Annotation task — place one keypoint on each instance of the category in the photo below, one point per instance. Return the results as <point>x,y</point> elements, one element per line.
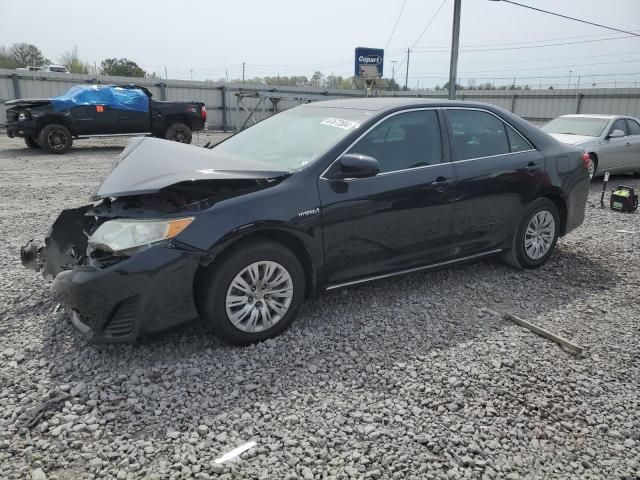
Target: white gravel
<point>402,379</point>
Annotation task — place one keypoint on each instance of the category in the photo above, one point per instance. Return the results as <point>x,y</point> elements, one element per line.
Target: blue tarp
<point>106,95</point>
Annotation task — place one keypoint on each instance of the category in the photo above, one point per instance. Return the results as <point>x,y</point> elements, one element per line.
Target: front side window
<point>406,140</point>
<point>619,125</point>
<point>477,134</point>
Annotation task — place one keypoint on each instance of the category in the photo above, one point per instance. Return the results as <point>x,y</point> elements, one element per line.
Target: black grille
<point>122,320</point>
<point>12,115</point>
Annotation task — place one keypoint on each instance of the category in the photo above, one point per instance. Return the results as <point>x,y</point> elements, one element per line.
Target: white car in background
<point>612,141</point>
<point>54,68</point>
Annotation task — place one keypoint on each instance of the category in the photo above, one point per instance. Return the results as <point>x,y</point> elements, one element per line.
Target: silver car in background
<point>612,141</point>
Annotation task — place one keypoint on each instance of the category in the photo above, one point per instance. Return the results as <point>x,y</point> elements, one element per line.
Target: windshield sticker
<point>339,123</point>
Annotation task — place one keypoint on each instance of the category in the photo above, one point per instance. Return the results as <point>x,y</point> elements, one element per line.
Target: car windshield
<point>590,127</point>
<point>293,139</point>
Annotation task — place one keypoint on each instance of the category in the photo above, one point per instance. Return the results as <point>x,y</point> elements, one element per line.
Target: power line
<point>557,66</point>
<point>568,17</point>
<point>544,60</point>
<point>525,46</point>
<point>423,31</point>
<point>395,25</point>
<point>510,77</point>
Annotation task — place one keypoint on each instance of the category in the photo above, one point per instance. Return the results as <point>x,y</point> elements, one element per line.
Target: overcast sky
<point>298,37</point>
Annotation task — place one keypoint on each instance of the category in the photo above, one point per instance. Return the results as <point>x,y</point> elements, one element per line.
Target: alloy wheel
<point>259,296</point>
<point>180,136</point>
<point>539,234</point>
<point>57,140</point>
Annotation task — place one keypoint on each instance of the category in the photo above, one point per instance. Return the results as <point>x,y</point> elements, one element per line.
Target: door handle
<point>532,167</point>
<point>441,184</point>
<point>628,144</point>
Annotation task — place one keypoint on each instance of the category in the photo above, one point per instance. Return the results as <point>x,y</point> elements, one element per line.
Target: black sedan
<point>319,197</point>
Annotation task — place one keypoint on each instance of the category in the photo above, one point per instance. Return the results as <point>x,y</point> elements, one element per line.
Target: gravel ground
<point>402,379</point>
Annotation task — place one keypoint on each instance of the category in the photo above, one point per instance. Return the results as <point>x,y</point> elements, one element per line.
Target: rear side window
<point>619,125</point>
<point>516,142</point>
<point>406,140</point>
<point>634,127</point>
<point>477,134</point>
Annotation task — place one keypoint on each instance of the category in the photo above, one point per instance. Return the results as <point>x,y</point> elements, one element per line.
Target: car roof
<point>386,103</point>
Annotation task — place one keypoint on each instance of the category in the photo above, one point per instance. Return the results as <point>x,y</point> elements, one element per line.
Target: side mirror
<point>354,165</point>
<point>616,134</point>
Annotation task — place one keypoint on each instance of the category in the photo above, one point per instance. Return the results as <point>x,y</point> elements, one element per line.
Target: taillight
<point>586,159</point>
<point>204,113</point>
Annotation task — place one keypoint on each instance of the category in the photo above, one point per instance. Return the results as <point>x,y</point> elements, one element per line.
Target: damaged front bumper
<point>147,292</point>
<point>27,128</point>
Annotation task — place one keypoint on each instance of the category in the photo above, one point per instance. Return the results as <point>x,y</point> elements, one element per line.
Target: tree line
<point>25,54</point>
<point>21,55</point>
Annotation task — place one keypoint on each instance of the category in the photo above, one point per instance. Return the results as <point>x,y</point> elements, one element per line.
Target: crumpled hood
<point>28,102</point>
<point>148,164</point>
<point>573,139</point>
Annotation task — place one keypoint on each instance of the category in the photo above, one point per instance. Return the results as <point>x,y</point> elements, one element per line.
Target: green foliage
<point>71,60</point>
<point>6,60</point>
<point>121,67</point>
<point>25,54</point>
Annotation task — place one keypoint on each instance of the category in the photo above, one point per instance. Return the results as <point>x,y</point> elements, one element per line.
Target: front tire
<point>536,237</point>
<point>55,139</point>
<point>253,294</point>
<point>178,132</point>
<point>31,142</point>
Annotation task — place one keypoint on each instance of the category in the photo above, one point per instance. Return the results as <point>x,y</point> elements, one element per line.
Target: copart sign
<point>369,57</point>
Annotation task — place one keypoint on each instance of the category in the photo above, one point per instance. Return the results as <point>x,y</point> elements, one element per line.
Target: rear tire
<point>272,289</point>
<point>31,142</point>
<point>178,132</point>
<point>536,236</point>
<point>55,139</point>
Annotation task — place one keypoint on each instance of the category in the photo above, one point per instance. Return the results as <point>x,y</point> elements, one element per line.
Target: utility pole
<point>569,84</point>
<point>393,69</point>
<point>406,78</point>
<point>191,73</point>
<point>455,43</point>
<point>242,72</point>
<point>166,77</point>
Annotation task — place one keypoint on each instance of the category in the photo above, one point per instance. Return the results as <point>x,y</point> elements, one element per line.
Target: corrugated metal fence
<point>228,104</point>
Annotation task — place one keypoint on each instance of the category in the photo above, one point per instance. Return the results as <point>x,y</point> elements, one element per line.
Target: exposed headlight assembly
<point>22,116</point>
<point>125,236</point>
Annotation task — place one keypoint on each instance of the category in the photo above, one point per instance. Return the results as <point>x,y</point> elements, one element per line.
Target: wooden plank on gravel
<point>563,342</point>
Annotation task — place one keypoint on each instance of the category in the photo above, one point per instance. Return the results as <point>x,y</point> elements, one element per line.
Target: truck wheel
<point>178,132</point>
<point>31,142</point>
<point>55,138</point>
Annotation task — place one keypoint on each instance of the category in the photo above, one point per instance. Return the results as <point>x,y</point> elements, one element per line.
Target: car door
<point>93,113</point>
<point>498,173</point>
<point>612,152</point>
<point>633,145</point>
<point>400,218</point>
<point>133,110</point>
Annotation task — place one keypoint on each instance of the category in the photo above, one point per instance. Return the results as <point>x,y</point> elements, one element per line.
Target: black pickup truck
<point>101,110</point>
